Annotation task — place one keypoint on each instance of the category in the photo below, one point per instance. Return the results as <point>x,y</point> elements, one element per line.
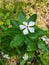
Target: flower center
<point>27,26</point>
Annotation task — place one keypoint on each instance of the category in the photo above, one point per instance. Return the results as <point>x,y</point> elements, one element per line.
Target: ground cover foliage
<point>31,48</point>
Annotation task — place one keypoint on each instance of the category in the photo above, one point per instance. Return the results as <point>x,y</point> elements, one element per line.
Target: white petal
<point>6,56</point>
<point>25,23</point>
<point>31,29</point>
<point>25,31</point>
<point>25,57</point>
<point>48,39</point>
<point>46,42</point>
<point>31,23</point>
<point>43,38</point>
<point>22,27</point>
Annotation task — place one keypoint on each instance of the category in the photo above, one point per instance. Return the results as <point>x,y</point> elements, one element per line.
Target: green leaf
<point>42,46</point>
<point>1,62</point>
<point>43,58</point>
<point>33,18</point>
<point>47,33</point>
<point>30,55</point>
<point>17,41</point>
<point>7,15</point>
<point>15,23</point>
<point>21,17</point>
<point>38,33</point>
<point>31,46</point>
<point>1,15</point>
<point>22,62</point>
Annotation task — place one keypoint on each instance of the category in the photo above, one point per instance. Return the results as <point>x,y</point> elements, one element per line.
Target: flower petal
<point>25,31</point>
<point>31,23</point>
<point>43,38</point>
<point>6,56</point>
<point>48,39</point>
<point>31,29</point>
<point>25,23</point>
<point>25,57</point>
<point>22,27</point>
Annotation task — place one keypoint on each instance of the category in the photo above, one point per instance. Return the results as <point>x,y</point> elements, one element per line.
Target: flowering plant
<point>26,40</point>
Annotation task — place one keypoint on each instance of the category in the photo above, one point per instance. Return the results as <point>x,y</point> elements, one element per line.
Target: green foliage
<point>12,38</point>
<point>21,17</point>
<point>33,18</point>
<point>17,41</point>
<point>23,62</point>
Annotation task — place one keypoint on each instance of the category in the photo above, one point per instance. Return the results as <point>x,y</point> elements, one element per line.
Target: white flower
<point>25,57</point>
<point>6,56</point>
<point>45,39</point>
<point>25,27</point>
